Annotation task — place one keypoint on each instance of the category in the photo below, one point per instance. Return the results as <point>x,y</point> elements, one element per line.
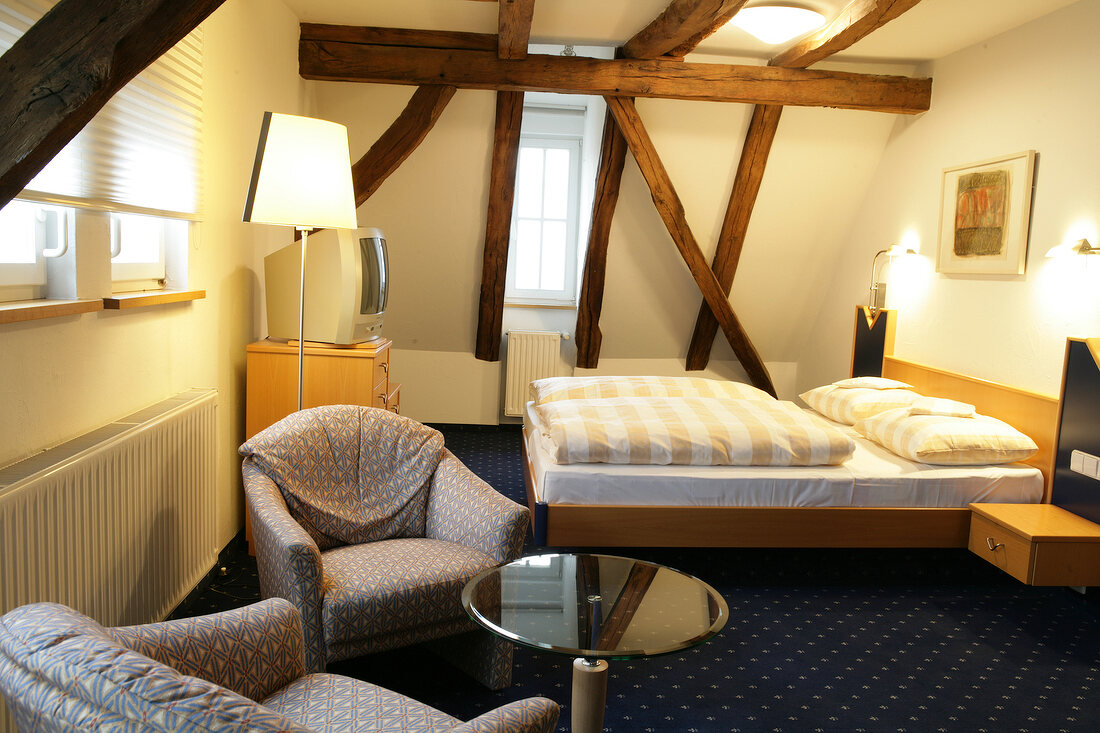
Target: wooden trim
<point>514,28</point>
<point>606,197</point>
<point>123,301</point>
<point>498,224</point>
<point>672,213</point>
<point>62,71</point>
<point>1032,413</point>
<point>681,21</point>
<point>338,61</point>
<point>18,311</point>
<point>854,22</point>
<point>399,140</point>
<point>398,37</point>
<point>573,525</point>
<point>731,240</point>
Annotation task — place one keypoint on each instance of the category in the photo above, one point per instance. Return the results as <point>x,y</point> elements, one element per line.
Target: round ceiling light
<point>777,23</point>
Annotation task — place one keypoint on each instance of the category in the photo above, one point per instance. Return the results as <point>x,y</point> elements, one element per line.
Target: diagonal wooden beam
<point>672,213</point>
<point>514,28</point>
<point>69,64</point>
<point>854,22</point>
<point>498,224</point>
<point>746,186</point>
<point>612,158</point>
<point>680,22</point>
<point>626,606</point>
<point>342,61</point>
<point>399,140</point>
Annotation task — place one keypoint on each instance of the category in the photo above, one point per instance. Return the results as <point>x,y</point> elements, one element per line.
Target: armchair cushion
<point>329,703</point>
<point>381,588</point>
<point>350,474</point>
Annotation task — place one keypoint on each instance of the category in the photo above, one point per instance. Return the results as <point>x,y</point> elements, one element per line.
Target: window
<point>138,160</point>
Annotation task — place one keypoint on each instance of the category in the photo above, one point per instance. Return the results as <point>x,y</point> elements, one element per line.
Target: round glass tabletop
<point>595,606</point>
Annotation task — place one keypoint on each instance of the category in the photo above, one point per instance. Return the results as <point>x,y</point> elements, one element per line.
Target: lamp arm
<point>874,283</point>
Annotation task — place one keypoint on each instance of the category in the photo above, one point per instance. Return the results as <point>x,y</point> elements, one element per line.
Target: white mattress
<point>873,477</point>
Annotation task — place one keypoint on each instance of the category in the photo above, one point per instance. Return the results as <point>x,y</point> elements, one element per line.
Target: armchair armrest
<point>462,508</point>
<point>288,560</point>
<point>532,715</point>
<point>253,651</point>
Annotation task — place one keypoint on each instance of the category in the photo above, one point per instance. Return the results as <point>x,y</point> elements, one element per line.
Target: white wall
<point>1032,88</point>
<point>62,377</point>
<point>433,212</point>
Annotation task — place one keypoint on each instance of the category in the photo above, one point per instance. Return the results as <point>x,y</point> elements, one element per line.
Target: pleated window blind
<point>141,153</point>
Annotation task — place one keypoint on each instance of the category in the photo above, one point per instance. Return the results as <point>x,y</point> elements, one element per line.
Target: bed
<point>875,499</point>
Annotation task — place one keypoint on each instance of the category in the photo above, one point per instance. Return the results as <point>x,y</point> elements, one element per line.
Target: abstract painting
<point>985,216</point>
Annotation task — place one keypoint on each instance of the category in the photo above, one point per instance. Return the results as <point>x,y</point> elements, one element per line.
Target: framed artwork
<point>986,210</point>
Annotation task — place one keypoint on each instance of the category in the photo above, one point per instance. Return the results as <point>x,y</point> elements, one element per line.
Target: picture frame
<point>985,215</point>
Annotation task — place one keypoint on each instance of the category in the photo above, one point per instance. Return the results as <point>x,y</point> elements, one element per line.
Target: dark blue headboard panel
<point>1079,429</point>
<point>874,339</point>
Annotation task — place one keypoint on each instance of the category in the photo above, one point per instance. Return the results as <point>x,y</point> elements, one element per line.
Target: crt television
<point>346,287</point>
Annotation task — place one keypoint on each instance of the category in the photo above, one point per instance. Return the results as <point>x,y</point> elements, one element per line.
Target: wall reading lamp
<point>877,298</point>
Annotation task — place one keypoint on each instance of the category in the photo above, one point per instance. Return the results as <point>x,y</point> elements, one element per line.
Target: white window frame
<point>567,295</point>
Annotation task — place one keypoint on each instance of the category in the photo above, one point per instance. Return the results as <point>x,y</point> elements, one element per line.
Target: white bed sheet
<point>873,477</point>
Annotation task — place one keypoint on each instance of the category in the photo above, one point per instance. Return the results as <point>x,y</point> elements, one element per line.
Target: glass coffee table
<point>594,608</point>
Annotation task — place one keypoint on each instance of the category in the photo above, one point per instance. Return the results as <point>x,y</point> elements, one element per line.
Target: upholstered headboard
<point>1078,428</point>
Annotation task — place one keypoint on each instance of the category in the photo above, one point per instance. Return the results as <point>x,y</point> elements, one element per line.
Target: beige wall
<point>1032,88</point>
<point>62,377</point>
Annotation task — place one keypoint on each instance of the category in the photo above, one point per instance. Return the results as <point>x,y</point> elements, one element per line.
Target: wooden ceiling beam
<point>606,196</point>
<point>514,28</point>
<point>397,37</point>
<point>399,140</point>
<point>681,21</point>
<point>354,62</point>
<point>62,71</point>
<point>854,22</point>
<point>498,224</point>
<point>672,213</point>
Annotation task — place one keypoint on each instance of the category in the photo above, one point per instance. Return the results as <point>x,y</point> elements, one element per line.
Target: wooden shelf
<point>122,301</point>
<point>31,310</point>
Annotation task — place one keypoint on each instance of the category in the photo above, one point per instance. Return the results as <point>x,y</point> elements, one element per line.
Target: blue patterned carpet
<point>818,640</point>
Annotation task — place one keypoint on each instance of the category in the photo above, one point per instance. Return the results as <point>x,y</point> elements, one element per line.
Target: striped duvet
<point>552,389</point>
<point>695,431</point>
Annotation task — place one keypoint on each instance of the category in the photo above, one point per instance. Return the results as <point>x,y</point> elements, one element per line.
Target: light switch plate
<point>1085,464</point>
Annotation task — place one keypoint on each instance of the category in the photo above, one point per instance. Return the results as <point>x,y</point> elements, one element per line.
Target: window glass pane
<point>529,183</point>
<point>553,255</point>
<point>140,239</point>
<point>527,253</point>
<point>556,193</point>
<point>17,233</point>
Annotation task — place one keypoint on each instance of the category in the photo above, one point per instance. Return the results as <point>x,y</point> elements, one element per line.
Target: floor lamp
<point>301,178</point>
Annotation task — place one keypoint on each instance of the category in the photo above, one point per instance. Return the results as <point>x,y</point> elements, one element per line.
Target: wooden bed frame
<point>578,525</point>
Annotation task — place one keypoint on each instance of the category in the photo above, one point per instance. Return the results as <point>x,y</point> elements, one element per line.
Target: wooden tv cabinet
<point>333,375</point>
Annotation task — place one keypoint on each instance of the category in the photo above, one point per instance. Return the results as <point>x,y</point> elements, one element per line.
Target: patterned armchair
<point>371,528</point>
<point>237,670</point>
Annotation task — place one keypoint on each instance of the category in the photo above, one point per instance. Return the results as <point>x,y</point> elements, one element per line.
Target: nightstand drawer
<point>1038,544</point>
<point>1000,547</point>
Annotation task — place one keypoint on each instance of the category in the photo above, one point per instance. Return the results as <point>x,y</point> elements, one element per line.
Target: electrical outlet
<point>1085,464</point>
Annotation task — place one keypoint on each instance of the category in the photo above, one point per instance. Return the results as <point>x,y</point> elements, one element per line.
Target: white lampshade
<point>302,174</point>
<point>777,23</point>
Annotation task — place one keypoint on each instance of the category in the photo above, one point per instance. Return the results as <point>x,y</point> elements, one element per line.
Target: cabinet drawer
<point>381,373</point>
<point>1009,552</point>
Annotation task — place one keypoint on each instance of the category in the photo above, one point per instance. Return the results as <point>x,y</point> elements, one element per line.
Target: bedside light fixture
<point>1080,247</point>
<point>877,299</point>
<point>775,23</point>
<point>301,178</point>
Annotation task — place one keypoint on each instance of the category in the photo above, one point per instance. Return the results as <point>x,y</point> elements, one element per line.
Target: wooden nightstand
<point>1038,544</point>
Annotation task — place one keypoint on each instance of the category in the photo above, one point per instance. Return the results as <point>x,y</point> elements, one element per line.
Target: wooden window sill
<point>31,310</point>
<point>121,301</point>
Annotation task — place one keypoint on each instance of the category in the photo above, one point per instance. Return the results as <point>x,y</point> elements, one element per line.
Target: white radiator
<point>118,523</point>
<point>531,355</point>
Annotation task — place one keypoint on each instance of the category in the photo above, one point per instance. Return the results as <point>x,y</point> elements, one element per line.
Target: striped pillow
<point>946,440</point>
<point>553,389</point>
<point>848,404</point>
